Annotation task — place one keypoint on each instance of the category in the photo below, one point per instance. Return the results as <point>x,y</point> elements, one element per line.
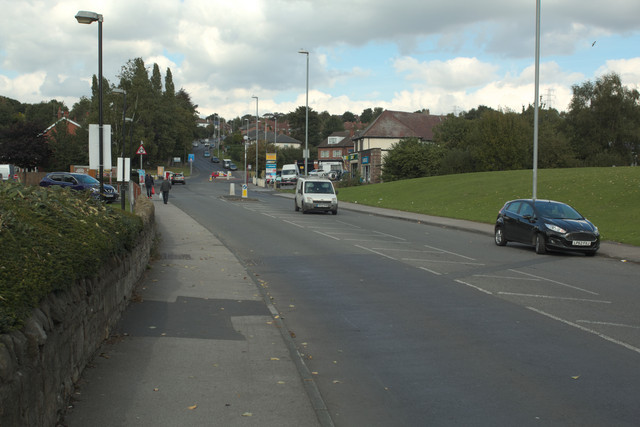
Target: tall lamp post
<point>86,17</point>
<point>306,126</point>
<point>536,103</point>
<point>257,126</point>
<point>124,120</point>
<point>246,140</point>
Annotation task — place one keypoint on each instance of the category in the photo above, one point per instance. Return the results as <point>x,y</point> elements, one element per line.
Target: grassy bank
<point>609,197</point>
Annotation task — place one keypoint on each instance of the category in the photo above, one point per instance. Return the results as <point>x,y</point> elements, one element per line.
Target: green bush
<point>51,237</point>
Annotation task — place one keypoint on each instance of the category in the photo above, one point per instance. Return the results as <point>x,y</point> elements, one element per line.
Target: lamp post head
<point>118,90</point>
<point>304,52</point>
<point>86,17</point>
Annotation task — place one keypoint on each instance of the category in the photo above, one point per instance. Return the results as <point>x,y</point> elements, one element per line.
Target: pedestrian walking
<point>148,183</point>
<point>165,187</point>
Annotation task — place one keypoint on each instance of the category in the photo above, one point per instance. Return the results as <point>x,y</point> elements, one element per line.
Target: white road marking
<point>451,253</point>
<point>620,325</point>
<point>474,287</point>
<point>554,297</point>
<point>326,235</point>
<point>430,271</point>
<point>555,281</point>
<point>441,262</point>
<point>506,277</point>
<point>591,331</point>
<point>375,252</point>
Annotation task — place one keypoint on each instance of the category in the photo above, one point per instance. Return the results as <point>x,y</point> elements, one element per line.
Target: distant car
<point>233,167</point>
<point>214,159</point>
<point>80,182</point>
<point>546,225</point>
<point>207,153</point>
<point>178,178</point>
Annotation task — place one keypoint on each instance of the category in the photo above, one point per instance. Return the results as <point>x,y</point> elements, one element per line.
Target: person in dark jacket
<point>148,183</point>
<point>165,187</point>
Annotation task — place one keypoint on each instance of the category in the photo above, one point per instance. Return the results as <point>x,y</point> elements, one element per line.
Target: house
<point>388,129</point>
<point>283,141</point>
<point>63,116</point>
<point>336,148</point>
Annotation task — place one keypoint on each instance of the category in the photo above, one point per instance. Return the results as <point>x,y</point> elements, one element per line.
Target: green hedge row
<point>51,237</point>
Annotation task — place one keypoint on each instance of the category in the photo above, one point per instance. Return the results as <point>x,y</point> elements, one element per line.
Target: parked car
<point>207,153</point>
<point>178,178</point>
<point>233,167</point>
<point>546,225</point>
<point>80,182</point>
<point>214,159</point>
<point>315,194</point>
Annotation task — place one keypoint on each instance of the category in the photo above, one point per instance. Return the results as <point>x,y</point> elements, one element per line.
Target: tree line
<point>600,128</point>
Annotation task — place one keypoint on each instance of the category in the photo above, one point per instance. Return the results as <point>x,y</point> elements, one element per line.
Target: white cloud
<point>403,55</point>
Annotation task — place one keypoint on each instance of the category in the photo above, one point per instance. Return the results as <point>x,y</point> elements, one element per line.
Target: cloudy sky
<point>406,55</point>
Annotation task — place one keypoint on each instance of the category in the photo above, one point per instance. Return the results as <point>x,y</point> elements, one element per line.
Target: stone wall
<point>40,364</point>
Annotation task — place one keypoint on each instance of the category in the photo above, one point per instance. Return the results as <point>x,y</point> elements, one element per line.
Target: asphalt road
<point>408,324</point>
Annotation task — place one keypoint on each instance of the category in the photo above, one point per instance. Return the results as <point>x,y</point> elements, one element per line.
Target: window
<point>337,153</point>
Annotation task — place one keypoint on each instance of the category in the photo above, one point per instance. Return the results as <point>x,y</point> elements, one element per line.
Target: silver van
<point>316,195</point>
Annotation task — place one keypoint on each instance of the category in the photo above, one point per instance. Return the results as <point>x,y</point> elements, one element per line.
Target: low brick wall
<point>40,364</point>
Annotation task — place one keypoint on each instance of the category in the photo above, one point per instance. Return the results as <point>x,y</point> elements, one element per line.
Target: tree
<point>23,145</point>
<point>348,116</point>
<point>603,122</point>
<point>366,116</point>
<point>411,158</point>
<point>297,121</point>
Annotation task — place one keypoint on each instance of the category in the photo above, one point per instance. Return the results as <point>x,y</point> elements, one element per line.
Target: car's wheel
<point>296,206</point>
<point>499,237</point>
<point>541,245</point>
<point>334,212</point>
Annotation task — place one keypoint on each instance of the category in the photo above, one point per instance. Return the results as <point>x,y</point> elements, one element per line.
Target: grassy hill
<point>609,197</point>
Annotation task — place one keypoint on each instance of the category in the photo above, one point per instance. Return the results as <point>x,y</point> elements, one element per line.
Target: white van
<point>289,174</point>
<point>316,194</point>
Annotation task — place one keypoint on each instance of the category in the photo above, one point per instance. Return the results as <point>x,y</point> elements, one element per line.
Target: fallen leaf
<point>247,414</point>
<point>280,382</point>
<point>193,407</point>
<point>274,358</point>
<point>576,377</point>
<point>156,389</point>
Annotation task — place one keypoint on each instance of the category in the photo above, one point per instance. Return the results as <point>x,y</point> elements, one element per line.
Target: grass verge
<point>609,197</point>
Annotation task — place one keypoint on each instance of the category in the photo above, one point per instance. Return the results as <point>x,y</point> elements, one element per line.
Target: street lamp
<point>124,120</point>
<point>86,17</point>
<point>246,139</point>
<point>256,138</point>
<point>306,126</point>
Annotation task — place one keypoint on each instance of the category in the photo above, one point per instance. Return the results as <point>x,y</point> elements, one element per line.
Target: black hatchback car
<point>546,225</point>
<point>80,182</point>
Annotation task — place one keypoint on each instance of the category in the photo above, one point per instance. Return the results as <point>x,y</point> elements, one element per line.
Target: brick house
<point>63,116</point>
<point>387,129</point>
<point>336,148</point>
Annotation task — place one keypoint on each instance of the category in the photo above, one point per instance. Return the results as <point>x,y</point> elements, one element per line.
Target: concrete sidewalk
<point>200,347</point>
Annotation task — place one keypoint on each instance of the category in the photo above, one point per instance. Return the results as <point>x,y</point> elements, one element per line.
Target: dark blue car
<point>80,182</point>
<point>546,225</point>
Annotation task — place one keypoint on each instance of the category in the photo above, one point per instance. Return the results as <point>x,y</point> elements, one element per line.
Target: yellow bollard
<point>210,178</point>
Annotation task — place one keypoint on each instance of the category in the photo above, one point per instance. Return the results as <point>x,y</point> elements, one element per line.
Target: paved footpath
<point>200,347</point>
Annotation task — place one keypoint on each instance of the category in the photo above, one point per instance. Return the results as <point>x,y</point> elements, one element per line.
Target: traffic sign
<point>141,150</point>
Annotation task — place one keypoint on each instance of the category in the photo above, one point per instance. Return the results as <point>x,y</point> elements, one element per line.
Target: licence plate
<point>322,205</point>
<point>581,243</point>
